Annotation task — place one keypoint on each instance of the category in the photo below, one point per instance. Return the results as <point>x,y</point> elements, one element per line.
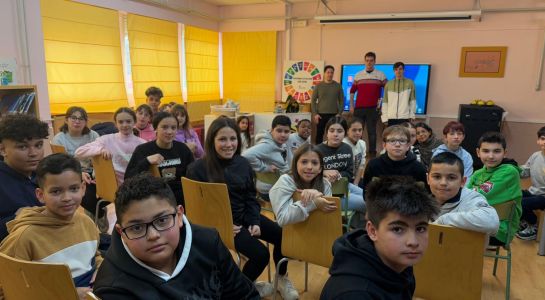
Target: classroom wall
<point>438,44</point>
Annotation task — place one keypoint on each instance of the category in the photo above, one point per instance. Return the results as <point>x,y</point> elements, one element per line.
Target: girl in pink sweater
<point>116,146</point>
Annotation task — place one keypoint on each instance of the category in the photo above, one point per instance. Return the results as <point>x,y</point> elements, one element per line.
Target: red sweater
<point>368,87</point>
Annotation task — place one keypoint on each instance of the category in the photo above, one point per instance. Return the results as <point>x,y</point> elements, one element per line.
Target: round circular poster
<point>299,79</point>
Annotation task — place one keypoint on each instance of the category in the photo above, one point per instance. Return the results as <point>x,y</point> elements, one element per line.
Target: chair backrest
<point>208,204</point>
<point>57,148</point>
<point>311,240</point>
<point>154,170</point>
<point>506,211</point>
<point>340,187</point>
<point>26,280</point>
<point>267,177</point>
<point>106,180</point>
<point>452,267</point>
<point>91,296</point>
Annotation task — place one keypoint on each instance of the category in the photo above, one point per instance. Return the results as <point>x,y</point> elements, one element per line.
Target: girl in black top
<point>222,163</point>
<point>170,156</point>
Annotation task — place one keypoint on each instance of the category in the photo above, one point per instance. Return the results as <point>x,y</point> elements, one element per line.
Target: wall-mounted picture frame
<point>483,61</point>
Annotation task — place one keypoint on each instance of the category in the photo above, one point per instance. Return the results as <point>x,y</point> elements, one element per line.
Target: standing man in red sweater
<point>368,84</point>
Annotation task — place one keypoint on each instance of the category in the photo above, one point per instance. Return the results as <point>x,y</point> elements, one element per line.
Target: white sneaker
<point>265,289</point>
<point>286,289</point>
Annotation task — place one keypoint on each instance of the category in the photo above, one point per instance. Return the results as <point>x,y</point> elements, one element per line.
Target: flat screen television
<point>419,73</point>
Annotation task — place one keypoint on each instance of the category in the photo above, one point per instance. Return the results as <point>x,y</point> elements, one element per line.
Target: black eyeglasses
<point>138,231</point>
<point>397,141</point>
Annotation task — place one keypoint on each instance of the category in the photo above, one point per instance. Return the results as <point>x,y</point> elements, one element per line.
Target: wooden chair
<point>208,204</point>
<point>340,189</point>
<point>106,181</point>
<point>27,280</point>
<point>91,296</point>
<point>268,178</point>
<point>57,148</point>
<point>505,211</point>
<point>154,170</point>
<point>311,240</point>
<point>452,267</point>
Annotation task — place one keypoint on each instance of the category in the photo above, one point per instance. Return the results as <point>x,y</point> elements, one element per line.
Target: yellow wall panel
<point>249,65</point>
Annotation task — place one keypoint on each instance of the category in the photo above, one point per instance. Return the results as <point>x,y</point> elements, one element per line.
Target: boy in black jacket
<point>377,263</point>
<point>396,161</point>
<point>157,254</point>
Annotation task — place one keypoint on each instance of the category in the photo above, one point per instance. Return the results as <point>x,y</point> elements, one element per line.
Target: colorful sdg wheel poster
<point>300,77</point>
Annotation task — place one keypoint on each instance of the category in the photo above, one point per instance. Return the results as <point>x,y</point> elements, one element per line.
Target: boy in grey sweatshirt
<point>271,154</point>
<point>460,206</point>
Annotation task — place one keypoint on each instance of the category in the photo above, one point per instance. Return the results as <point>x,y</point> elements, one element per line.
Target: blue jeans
<point>531,202</point>
<point>355,198</point>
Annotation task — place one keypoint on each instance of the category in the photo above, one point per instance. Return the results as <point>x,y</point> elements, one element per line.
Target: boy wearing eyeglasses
<point>157,254</point>
<point>57,232</point>
<point>395,161</point>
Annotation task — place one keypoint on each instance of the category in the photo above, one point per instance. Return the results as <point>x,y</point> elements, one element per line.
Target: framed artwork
<point>482,61</point>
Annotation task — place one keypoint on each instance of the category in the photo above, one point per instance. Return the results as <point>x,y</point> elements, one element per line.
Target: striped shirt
<point>368,85</point>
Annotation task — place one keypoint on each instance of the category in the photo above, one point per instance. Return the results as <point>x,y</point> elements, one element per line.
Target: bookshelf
<point>19,99</point>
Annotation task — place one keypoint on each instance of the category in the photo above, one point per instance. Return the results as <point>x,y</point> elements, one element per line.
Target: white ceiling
<point>242,2</point>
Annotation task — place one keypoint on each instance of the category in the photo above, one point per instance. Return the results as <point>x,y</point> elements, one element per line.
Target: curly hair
<point>141,187</point>
<point>399,194</point>
<point>21,127</point>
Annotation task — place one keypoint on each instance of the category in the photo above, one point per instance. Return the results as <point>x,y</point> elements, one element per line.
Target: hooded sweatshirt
<point>35,236</point>
<point>426,149</point>
<point>469,210</point>
<point>384,166</point>
<point>16,191</point>
<point>462,154</point>
<point>204,270</point>
<point>500,184</point>
<point>286,210</point>
<point>147,134</point>
<point>265,153</point>
<point>357,272</point>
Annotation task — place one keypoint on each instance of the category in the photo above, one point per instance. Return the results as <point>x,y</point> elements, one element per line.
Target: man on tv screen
<point>399,102</point>
<point>368,84</point>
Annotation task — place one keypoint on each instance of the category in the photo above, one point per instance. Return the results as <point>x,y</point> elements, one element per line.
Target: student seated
<point>534,197</point>
<point>396,141</point>
<point>302,135</point>
<point>153,98</point>
<point>243,123</point>
<point>21,145</point>
<point>307,177</point>
<point>453,135</point>
<point>460,206</point>
<point>223,164</point>
<point>498,180</point>
<point>57,232</point>
<point>339,162</point>
<point>171,157</point>
<point>426,142</point>
<point>376,263</point>
<point>271,153</point>
<point>359,148</point>
<point>157,254</point>
<point>144,115</point>
<point>185,133</point>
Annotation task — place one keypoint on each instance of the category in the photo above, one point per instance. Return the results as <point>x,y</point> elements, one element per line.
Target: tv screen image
<point>419,73</point>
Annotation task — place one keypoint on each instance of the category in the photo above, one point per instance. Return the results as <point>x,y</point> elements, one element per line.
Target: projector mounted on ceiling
<point>440,16</point>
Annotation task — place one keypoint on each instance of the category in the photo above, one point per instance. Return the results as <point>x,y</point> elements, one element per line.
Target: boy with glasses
<point>395,160</point>
<point>157,254</point>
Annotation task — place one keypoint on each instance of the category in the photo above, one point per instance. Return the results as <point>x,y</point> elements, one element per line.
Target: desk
<point>262,121</point>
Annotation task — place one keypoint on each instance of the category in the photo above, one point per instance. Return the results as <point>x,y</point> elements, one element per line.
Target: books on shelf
<point>17,103</point>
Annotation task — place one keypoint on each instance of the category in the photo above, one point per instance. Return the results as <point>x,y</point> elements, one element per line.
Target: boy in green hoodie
<point>498,180</point>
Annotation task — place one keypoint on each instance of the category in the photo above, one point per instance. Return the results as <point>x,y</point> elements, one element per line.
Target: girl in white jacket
<point>306,176</point>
